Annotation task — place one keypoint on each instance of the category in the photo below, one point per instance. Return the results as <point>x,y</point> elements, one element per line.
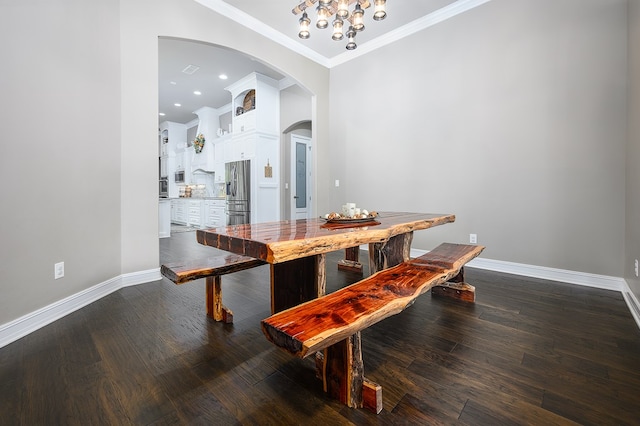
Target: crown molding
<point>412,27</point>
<point>246,20</point>
<point>263,29</point>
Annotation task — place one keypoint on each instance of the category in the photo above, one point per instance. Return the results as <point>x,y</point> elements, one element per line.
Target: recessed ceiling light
<point>162,114</point>
<point>197,92</point>
<point>177,104</point>
<point>223,77</point>
<point>173,82</point>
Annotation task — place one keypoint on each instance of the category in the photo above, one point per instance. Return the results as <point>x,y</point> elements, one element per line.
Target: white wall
<point>60,161</point>
<point>633,151</point>
<point>512,116</point>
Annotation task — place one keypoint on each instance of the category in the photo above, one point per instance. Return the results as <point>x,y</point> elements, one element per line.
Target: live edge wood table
<point>296,249</point>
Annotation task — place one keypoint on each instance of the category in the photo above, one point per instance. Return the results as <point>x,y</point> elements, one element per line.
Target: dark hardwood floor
<point>527,352</point>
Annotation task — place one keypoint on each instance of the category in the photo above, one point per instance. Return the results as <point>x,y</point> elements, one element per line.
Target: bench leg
<point>215,308</point>
<point>456,288</point>
<point>371,396</point>
<point>351,261</point>
<point>341,369</point>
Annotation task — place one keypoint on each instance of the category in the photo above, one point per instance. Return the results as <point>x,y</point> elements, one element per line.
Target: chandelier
<point>340,8</point>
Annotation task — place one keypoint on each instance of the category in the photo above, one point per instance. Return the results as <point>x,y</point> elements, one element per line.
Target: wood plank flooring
<point>528,352</point>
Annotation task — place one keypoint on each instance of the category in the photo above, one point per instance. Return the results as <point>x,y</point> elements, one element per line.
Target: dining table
<point>296,249</point>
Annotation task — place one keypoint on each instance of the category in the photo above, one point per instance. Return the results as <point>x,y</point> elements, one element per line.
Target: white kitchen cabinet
<point>255,107</point>
<point>164,172</point>
<point>255,104</point>
<point>179,213</point>
<point>214,214</point>
<point>243,148</point>
<point>195,210</point>
<point>164,218</point>
<point>172,136</point>
<point>180,161</point>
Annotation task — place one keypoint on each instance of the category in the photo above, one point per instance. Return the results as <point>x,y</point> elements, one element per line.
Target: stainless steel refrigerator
<point>238,179</point>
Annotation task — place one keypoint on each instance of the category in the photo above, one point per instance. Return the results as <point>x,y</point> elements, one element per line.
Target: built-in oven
<point>179,176</point>
<point>164,188</point>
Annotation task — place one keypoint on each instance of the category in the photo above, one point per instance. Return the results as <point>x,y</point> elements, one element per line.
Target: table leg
<point>389,253</point>
<point>297,281</point>
<point>351,261</point>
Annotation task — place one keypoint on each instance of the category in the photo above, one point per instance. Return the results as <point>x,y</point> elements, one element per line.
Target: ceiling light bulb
<point>323,17</point>
<point>337,29</point>
<point>161,114</point>
<point>380,13</point>
<point>177,105</point>
<point>343,9</point>
<point>223,77</point>
<point>304,26</point>
<point>352,39</point>
<point>358,18</point>
<point>197,92</point>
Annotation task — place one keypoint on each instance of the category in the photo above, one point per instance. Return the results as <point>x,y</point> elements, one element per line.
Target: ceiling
<point>175,86</point>
<point>274,19</point>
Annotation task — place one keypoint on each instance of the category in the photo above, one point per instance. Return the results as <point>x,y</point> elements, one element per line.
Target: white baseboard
<point>33,321</point>
<point>29,323</point>
<point>632,303</point>
<point>605,282</point>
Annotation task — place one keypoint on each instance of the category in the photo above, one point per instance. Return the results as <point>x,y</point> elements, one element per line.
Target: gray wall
<point>80,114</point>
<point>60,162</point>
<point>512,116</point>
<point>633,151</point>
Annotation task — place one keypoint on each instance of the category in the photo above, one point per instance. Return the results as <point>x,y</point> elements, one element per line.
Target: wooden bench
<point>212,269</point>
<point>333,323</point>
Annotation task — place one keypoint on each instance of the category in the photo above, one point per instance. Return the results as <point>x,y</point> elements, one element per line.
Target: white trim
<point>263,29</point>
<point>33,321</point>
<point>223,8</point>
<point>632,302</point>
<point>141,277</point>
<point>586,279</point>
<point>412,27</point>
<point>29,323</point>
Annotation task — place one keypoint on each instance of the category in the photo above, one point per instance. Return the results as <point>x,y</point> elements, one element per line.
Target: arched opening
<point>189,75</point>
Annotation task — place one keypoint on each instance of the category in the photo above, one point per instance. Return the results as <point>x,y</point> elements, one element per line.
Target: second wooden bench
<point>212,269</point>
<point>332,323</point>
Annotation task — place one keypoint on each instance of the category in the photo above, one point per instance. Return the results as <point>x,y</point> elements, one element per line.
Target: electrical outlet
<point>58,270</point>
<point>636,267</point>
<point>473,238</point>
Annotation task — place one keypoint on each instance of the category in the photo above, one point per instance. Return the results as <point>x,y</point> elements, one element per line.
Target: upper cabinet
<point>173,136</point>
<point>255,104</point>
<point>255,109</point>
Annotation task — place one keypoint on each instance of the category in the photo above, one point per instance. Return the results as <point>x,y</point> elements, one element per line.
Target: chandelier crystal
<point>340,8</point>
